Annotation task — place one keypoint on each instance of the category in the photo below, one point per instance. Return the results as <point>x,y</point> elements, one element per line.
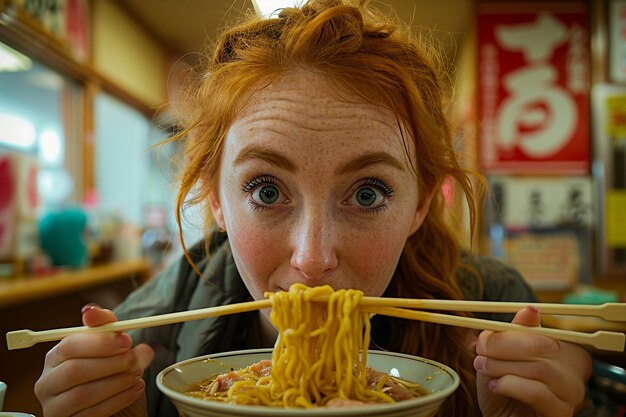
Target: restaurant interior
<point>88,92</point>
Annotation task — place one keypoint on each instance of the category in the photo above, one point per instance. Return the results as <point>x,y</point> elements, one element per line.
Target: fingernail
<point>533,308</point>
<point>139,385</point>
<point>88,307</point>
<point>493,384</point>
<point>124,340</point>
<point>479,362</point>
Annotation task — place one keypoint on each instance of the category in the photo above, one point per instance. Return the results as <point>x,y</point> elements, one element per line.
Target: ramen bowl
<point>438,380</point>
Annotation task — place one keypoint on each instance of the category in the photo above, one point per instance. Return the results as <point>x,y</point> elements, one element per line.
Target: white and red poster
<point>18,205</point>
<point>533,80</point>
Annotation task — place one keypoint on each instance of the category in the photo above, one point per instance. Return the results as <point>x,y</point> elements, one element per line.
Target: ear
<point>421,212</point>
<point>216,209</point>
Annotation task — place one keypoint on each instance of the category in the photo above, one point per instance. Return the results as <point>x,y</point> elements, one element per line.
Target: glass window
<point>134,180</point>
<point>38,121</point>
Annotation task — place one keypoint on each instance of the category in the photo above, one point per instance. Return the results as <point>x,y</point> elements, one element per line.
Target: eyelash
<point>388,191</point>
<point>249,186</point>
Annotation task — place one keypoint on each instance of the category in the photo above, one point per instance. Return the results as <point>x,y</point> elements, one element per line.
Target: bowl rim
<point>254,410</point>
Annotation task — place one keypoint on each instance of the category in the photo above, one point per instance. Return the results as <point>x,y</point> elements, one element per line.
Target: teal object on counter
<point>591,295</point>
<point>62,237</point>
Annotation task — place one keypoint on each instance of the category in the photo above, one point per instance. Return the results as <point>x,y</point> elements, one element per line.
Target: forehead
<point>303,112</point>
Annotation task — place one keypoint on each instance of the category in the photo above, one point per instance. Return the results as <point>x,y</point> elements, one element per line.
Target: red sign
<point>533,66</point>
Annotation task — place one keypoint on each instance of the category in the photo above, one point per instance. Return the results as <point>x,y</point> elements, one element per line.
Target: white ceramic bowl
<point>439,380</point>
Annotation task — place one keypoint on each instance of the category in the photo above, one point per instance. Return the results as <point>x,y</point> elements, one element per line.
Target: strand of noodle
<point>351,350</point>
<point>337,351</point>
<point>319,368</point>
<point>327,348</point>
<point>321,351</point>
<point>307,345</point>
<point>298,368</point>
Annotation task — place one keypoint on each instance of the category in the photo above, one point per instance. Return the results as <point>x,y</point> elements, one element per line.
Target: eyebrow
<point>368,159</point>
<point>275,158</point>
<point>259,152</point>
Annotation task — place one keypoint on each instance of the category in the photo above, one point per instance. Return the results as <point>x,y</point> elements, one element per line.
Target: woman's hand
<point>525,375</point>
<point>94,374</point>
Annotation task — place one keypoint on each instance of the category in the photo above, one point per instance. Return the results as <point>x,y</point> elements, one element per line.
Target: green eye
<point>366,196</point>
<point>267,194</point>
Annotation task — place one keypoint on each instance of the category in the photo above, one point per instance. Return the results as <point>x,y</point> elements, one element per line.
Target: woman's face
<point>315,190</point>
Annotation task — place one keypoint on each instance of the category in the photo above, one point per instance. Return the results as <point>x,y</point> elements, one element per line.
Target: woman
<point>318,144</point>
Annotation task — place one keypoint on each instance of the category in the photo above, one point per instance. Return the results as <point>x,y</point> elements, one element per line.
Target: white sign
<point>542,201</point>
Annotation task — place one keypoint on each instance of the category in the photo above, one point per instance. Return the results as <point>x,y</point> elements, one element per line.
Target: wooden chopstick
<point>19,339</point>
<point>605,340</point>
<point>607,311</point>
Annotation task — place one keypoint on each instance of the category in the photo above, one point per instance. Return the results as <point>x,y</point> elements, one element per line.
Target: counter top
<point>23,289</point>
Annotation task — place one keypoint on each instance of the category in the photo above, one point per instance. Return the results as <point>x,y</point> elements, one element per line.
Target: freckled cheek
<point>256,251</point>
<point>374,262</point>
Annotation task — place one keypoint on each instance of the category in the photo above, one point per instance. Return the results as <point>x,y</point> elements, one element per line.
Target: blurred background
<point>87,89</point>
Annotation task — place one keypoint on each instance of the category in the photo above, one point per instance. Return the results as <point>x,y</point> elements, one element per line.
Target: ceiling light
<point>12,60</point>
<point>16,131</point>
<point>265,8</point>
<point>50,148</point>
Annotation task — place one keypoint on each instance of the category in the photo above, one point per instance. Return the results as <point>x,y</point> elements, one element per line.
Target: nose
<point>314,254</point>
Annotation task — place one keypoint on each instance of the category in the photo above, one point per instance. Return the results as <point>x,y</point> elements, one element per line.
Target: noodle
<point>320,355</point>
